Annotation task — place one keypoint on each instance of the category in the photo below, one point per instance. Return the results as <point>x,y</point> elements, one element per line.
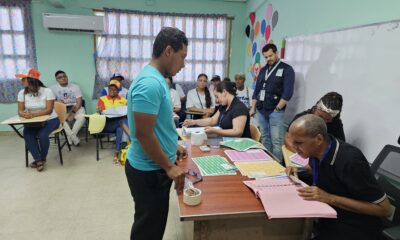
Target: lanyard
<point>315,164</point>
<point>270,72</point>
<point>199,99</point>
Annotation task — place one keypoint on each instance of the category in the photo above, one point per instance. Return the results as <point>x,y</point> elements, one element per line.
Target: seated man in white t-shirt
<point>176,101</point>
<point>71,96</point>
<point>243,93</point>
<point>123,92</point>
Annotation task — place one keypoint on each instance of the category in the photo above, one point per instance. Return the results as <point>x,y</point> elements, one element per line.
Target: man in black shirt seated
<point>232,117</point>
<point>342,179</point>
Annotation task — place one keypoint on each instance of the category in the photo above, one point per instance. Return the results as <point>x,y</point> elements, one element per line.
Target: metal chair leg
<point>97,147</point>
<point>66,140</point>
<point>57,136</point>
<point>26,156</point>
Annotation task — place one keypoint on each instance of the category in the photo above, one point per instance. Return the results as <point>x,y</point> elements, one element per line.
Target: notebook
<point>246,156</point>
<point>281,200</point>
<point>242,144</point>
<point>212,166</point>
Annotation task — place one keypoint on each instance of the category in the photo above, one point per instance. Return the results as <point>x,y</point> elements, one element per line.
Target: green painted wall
<point>310,16</point>
<point>73,52</point>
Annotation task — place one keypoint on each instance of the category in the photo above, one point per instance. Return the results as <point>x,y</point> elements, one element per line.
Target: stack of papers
<point>116,111</point>
<point>298,161</point>
<point>250,155</point>
<point>261,169</point>
<point>187,131</point>
<point>242,144</point>
<point>281,200</point>
<point>213,166</point>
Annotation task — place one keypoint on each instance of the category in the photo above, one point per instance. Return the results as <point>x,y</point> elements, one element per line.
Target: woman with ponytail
<point>200,99</point>
<point>232,116</point>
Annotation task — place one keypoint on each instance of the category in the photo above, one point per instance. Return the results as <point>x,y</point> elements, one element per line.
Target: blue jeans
<point>40,149</point>
<point>114,125</point>
<point>272,131</point>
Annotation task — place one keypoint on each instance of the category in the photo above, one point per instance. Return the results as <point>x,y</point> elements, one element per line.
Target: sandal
<point>40,166</point>
<point>116,159</point>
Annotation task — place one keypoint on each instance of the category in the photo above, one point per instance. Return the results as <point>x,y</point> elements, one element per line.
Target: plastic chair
<point>97,123</point>
<point>391,226</point>
<point>255,133</point>
<point>61,110</point>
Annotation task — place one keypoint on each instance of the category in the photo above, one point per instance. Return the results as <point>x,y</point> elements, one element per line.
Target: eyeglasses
<point>197,175</point>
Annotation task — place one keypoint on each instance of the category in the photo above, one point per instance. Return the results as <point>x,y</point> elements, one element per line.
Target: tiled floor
<point>83,199</point>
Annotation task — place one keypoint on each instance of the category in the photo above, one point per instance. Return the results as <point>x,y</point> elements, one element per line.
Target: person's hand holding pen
<point>291,171</point>
<point>188,123</point>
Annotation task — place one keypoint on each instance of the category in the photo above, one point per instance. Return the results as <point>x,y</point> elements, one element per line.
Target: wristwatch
<point>277,109</point>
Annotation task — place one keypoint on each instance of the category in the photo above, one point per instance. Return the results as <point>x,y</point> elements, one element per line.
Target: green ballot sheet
<point>212,166</point>
<point>242,144</point>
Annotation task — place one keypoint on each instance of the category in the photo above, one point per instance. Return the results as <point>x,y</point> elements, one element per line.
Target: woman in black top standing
<point>232,117</point>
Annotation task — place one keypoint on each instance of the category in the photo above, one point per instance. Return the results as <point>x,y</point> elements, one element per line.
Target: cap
<point>33,73</point>
<point>215,78</point>
<point>115,83</point>
<point>117,75</point>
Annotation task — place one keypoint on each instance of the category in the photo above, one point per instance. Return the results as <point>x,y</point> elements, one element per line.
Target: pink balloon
<point>269,11</point>
<point>262,44</point>
<point>267,32</point>
<point>252,17</point>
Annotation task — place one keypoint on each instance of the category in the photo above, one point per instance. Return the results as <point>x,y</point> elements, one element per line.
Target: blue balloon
<point>263,26</point>
<point>254,49</point>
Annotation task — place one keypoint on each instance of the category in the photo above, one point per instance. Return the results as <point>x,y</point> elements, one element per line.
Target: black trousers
<point>150,192</point>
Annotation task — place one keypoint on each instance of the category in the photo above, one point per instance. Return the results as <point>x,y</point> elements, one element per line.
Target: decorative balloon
<point>252,17</point>
<point>267,32</point>
<point>257,58</point>
<point>262,44</point>
<point>247,31</point>
<point>249,49</point>
<point>263,26</point>
<point>256,29</point>
<point>269,11</point>
<point>254,49</point>
<point>275,19</point>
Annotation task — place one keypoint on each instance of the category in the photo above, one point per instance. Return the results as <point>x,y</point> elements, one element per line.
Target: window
<point>126,44</point>
<point>16,46</point>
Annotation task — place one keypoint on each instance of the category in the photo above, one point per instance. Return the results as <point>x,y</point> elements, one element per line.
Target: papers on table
<point>246,156</point>
<point>213,166</point>
<point>261,169</point>
<point>281,200</point>
<point>186,131</point>
<point>297,160</point>
<point>242,144</point>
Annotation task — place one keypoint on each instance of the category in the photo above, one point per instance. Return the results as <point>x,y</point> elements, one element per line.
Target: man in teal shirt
<point>151,168</point>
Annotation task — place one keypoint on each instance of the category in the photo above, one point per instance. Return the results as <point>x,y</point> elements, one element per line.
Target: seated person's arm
<point>204,122</point>
<point>238,124</point>
<point>78,104</point>
<point>176,110</point>
<point>21,109</point>
<point>100,106</point>
<point>195,109</point>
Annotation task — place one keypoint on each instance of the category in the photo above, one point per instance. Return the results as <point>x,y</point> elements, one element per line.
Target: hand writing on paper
<point>291,171</point>
<point>177,174</point>
<point>181,152</point>
<point>188,123</point>
<point>315,194</point>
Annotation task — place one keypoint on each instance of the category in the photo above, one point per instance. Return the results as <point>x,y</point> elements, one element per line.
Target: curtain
<point>126,44</point>
<point>17,48</point>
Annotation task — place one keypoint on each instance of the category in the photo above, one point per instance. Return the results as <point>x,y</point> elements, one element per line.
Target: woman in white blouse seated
<point>200,99</point>
<point>232,117</point>
<point>33,101</point>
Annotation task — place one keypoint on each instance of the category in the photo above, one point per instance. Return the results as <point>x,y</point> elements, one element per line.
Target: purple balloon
<point>263,26</point>
<point>254,49</point>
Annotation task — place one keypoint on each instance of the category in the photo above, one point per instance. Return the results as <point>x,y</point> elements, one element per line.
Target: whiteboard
<point>362,64</point>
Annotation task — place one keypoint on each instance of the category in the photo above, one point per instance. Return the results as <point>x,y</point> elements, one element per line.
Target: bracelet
<point>277,109</point>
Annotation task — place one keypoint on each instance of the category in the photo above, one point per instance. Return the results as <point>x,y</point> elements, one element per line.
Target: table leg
<point>16,131</point>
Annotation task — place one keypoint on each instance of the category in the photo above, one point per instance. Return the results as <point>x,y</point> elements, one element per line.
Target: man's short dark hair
<point>59,72</point>
<point>169,36</point>
<point>269,46</point>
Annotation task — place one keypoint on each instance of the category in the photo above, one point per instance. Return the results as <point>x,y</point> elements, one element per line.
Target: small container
<point>192,196</point>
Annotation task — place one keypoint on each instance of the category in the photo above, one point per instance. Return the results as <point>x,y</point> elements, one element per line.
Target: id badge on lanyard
<point>262,92</point>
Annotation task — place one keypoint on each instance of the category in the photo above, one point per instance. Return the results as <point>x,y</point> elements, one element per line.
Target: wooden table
<point>230,210</point>
<point>17,120</point>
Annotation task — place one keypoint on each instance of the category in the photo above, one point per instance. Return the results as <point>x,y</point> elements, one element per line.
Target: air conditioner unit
<point>73,23</point>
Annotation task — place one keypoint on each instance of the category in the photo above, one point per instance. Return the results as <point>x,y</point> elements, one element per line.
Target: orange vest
<point>107,102</point>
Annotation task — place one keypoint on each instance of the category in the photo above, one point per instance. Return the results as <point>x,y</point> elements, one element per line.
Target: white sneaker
<point>75,140</point>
